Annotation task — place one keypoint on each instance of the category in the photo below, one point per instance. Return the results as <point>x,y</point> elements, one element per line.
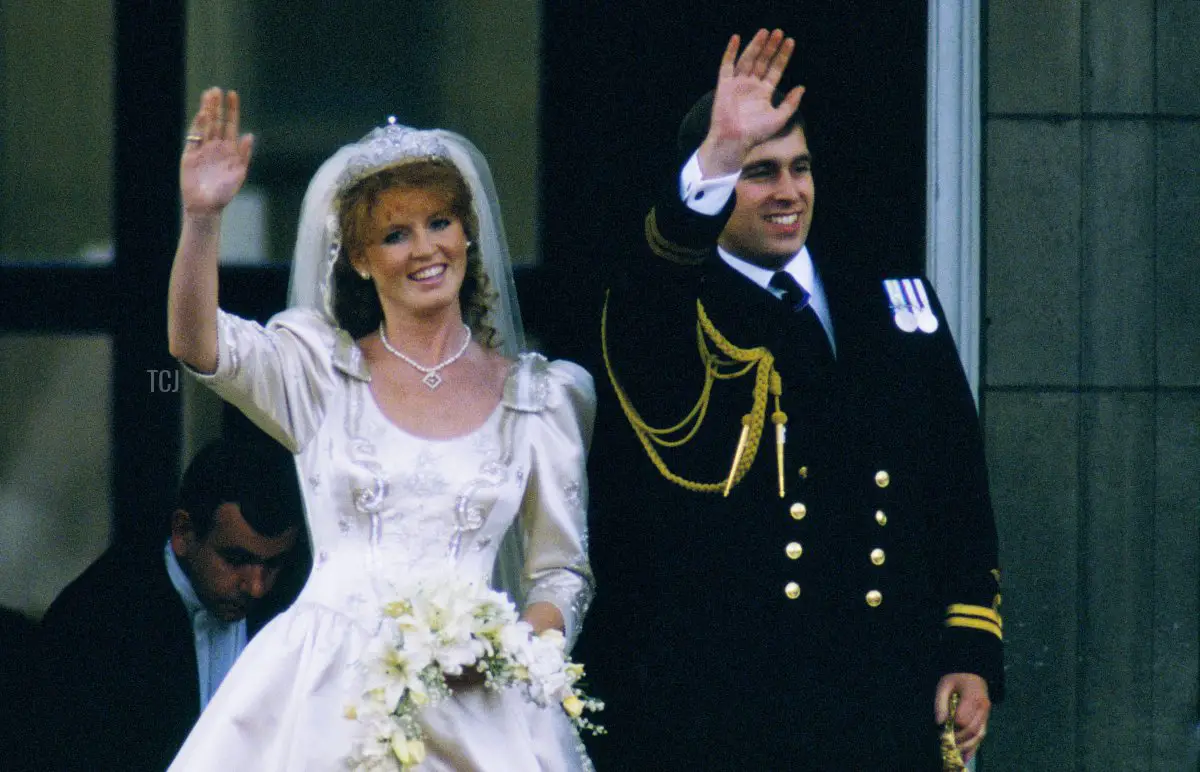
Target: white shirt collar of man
<point>800,267</point>
<point>802,270</point>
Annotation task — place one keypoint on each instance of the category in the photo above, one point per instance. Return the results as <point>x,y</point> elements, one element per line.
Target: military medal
<point>927,321</point>
<point>902,313</point>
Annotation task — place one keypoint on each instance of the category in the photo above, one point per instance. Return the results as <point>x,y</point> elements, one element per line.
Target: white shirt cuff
<point>704,196</point>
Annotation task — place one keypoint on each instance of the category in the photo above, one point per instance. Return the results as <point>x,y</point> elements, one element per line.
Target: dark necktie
<point>812,332</point>
<point>793,294</point>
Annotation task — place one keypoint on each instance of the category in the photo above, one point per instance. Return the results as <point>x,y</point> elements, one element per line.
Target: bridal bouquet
<point>445,626</point>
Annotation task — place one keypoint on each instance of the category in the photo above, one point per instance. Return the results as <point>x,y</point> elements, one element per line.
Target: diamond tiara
<point>389,144</point>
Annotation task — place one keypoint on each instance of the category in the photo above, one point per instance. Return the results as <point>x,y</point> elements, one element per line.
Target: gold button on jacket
<point>878,556</point>
<point>798,511</point>
<point>794,550</point>
<point>882,479</point>
<point>792,590</point>
<point>874,598</point>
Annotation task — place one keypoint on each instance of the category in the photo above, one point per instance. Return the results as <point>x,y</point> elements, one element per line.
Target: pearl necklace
<point>432,377</point>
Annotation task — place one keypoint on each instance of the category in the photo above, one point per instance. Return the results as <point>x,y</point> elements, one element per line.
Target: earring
<point>364,275</point>
<point>470,243</point>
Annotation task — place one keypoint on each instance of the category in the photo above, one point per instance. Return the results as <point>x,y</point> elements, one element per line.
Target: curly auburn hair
<point>356,305</point>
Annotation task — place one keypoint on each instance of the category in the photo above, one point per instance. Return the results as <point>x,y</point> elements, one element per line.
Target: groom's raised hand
<point>742,113</point>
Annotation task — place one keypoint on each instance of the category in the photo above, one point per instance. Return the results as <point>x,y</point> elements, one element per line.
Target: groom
<point>792,526</point>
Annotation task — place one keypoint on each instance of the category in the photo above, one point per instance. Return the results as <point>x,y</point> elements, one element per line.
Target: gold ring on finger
<point>194,137</point>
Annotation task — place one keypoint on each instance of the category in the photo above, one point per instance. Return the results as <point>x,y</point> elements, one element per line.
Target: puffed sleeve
<point>554,511</point>
<point>279,375</point>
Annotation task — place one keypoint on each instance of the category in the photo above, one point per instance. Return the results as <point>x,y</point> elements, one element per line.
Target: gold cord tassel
<point>737,454</point>
<point>952,760</point>
<point>779,418</point>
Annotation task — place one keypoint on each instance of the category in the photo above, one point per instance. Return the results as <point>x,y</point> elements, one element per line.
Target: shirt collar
<point>802,270</point>
<point>800,267</point>
<point>182,584</point>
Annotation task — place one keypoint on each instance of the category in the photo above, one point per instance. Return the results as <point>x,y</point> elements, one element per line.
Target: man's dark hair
<point>257,475</point>
<point>694,126</point>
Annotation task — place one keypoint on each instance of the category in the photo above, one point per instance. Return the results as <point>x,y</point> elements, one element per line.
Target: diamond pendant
<point>432,380</point>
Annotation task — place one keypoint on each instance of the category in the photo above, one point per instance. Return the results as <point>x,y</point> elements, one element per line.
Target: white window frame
<point>953,175</point>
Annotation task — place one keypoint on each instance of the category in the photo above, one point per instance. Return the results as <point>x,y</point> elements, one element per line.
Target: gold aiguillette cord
<point>739,362</point>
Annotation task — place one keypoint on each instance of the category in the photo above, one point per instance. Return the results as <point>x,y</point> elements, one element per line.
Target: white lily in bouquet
<point>441,626</point>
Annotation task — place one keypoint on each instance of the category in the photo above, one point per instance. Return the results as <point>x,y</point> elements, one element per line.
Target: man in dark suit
<point>790,509</point>
<point>133,649</point>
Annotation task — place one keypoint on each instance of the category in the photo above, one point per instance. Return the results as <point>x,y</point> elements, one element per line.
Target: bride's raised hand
<point>215,155</point>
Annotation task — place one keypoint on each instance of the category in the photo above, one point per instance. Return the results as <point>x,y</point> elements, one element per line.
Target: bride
<point>422,439</point>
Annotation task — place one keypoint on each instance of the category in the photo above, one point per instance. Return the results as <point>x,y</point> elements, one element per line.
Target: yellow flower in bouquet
<point>408,752</point>
<point>574,706</point>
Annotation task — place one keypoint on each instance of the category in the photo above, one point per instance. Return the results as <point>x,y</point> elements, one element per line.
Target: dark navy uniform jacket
<point>804,632</point>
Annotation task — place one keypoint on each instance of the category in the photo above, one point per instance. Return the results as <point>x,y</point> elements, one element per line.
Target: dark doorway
<point>618,77</point>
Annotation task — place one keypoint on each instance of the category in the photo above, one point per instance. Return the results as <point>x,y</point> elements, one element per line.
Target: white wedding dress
<point>382,503</point>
